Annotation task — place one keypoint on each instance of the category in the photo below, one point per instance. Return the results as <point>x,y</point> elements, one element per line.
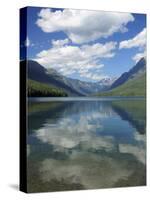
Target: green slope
<point>37,89</point>
<point>133,87</point>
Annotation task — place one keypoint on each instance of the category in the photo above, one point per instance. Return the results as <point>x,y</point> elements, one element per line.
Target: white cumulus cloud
<point>138,41</point>
<point>68,59</point>
<point>82,26</point>
<point>138,56</point>
<point>60,42</point>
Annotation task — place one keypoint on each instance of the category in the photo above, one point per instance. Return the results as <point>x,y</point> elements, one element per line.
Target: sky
<point>83,44</point>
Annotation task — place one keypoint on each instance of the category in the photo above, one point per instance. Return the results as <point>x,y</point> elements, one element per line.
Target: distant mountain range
<point>107,82</point>
<point>131,83</point>
<point>48,82</point>
<point>52,78</point>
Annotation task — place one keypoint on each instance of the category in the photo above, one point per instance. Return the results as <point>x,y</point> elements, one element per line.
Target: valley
<point>49,83</point>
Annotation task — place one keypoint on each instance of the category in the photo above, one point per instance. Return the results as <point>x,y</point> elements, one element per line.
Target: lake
<point>85,143</point>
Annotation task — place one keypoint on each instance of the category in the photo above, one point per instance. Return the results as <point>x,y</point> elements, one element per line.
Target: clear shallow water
<point>85,143</point>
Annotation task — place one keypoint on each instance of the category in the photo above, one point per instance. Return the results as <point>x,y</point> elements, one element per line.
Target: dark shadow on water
<point>14,186</point>
<point>134,113</point>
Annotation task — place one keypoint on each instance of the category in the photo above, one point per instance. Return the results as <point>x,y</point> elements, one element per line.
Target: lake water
<point>85,143</point>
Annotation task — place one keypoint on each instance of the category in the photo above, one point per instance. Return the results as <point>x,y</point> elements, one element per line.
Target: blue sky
<point>87,45</point>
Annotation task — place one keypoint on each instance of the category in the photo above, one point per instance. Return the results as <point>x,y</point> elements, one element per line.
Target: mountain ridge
<point>134,71</point>
<point>38,73</point>
<point>73,87</point>
<point>125,85</point>
<point>131,83</point>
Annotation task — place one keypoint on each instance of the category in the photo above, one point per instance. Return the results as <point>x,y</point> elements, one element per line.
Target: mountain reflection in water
<point>86,144</point>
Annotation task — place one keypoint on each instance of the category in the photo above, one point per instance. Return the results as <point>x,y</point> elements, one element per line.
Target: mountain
<point>82,87</point>
<point>133,87</point>
<point>132,83</point>
<point>107,82</point>
<point>136,71</point>
<point>38,73</point>
<point>51,77</point>
<point>37,89</point>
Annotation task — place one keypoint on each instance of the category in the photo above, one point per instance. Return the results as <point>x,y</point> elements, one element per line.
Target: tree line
<point>37,89</point>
